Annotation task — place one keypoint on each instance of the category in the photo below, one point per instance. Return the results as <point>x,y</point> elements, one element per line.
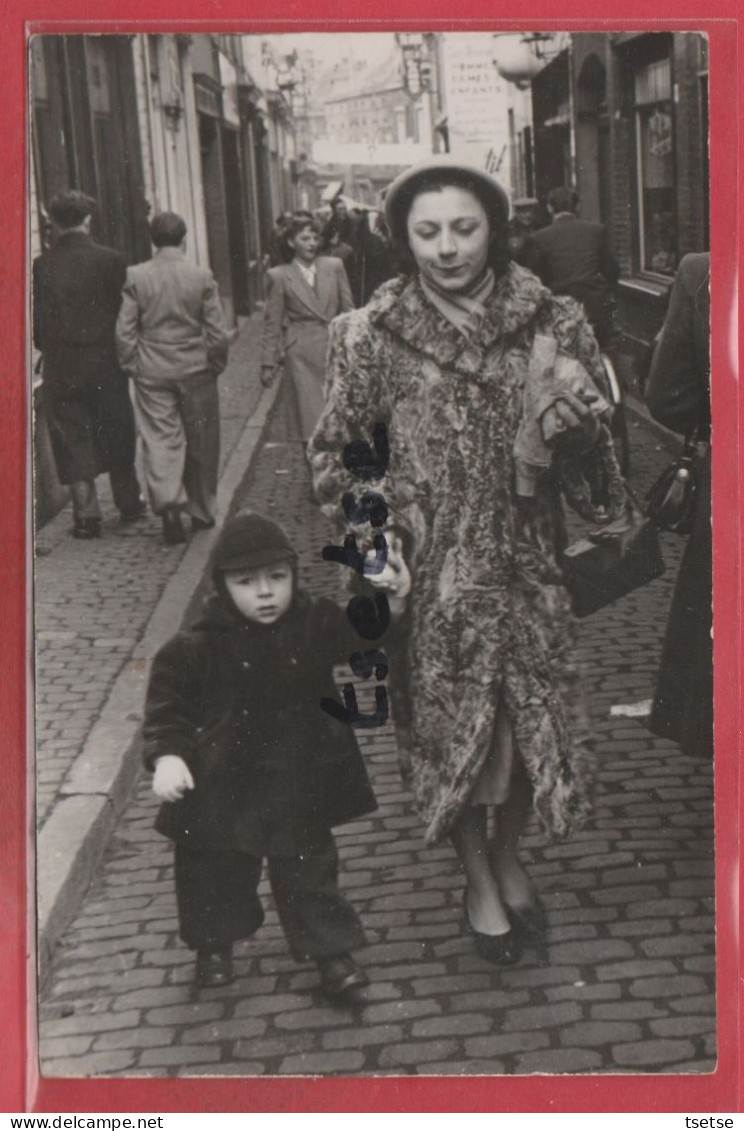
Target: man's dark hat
<point>250,541</point>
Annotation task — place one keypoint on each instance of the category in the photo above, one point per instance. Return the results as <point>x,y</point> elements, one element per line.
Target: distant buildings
<point>196,124</point>
<point>362,124</point>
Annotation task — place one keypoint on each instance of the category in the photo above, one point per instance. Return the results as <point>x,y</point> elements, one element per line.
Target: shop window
<point>654,129</point>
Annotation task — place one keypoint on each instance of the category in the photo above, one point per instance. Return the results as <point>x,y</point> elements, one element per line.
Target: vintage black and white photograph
<point>373,687</point>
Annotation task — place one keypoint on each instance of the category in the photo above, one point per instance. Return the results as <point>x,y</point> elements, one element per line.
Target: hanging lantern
<point>516,60</point>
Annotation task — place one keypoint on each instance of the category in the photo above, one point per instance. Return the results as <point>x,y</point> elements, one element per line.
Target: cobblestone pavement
<point>628,985</point>
<point>92,600</point>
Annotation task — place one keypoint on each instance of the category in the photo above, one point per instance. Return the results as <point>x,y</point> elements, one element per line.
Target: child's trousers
<point>218,901</point>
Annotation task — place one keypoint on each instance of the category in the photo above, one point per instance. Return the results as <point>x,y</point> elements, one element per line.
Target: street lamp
<point>520,56</point>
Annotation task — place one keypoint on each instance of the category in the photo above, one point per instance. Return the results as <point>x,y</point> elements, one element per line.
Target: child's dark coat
<point>240,703</point>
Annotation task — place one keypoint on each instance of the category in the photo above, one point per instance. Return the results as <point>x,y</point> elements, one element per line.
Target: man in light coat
<point>171,340</point>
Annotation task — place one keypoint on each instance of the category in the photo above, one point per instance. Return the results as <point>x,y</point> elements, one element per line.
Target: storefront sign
<point>476,100</point>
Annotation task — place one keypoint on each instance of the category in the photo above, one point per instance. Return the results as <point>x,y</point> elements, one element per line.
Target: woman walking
<point>304,295</point>
<point>486,697</point>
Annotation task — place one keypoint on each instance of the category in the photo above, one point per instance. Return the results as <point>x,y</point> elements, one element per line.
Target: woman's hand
<point>268,375</point>
<point>172,778</point>
<point>569,426</point>
<point>394,579</point>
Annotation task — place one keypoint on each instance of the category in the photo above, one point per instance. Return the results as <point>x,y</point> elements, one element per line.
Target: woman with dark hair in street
<point>304,296</point>
<point>486,696</point>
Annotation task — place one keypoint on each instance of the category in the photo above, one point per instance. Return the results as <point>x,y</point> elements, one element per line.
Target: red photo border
<point>20,1087</point>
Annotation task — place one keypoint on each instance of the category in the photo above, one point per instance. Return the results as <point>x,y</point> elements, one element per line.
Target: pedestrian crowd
<point>444,375</point>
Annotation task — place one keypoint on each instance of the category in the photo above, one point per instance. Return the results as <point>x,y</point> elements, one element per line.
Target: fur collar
<point>402,308</point>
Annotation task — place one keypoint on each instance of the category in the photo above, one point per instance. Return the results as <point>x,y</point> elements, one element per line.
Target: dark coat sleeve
<point>608,265</point>
<point>334,631</point>
<point>532,257</point>
<point>117,274</point>
<point>173,711</point>
<point>677,388</point>
<point>345,300</point>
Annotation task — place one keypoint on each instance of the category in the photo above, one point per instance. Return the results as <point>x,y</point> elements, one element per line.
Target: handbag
<point>671,501</point>
<point>612,561</point>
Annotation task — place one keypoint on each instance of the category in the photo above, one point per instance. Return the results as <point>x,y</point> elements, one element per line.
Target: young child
<point>249,766</point>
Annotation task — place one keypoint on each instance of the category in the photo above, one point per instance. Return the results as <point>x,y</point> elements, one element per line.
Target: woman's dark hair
<point>435,181</point>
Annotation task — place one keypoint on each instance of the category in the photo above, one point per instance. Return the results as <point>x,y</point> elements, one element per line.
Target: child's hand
<point>394,579</point>
<point>172,778</point>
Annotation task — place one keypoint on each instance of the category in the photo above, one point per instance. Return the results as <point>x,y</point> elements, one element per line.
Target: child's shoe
<point>339,975</point>
<point>214,967</point>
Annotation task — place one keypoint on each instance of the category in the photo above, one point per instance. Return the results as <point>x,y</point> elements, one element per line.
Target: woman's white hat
<point>402,189</point>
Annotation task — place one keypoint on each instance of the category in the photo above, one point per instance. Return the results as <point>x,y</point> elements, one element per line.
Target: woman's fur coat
<point>488,617</point>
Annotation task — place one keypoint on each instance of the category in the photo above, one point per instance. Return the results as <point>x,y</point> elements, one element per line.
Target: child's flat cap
<point>249,541</point>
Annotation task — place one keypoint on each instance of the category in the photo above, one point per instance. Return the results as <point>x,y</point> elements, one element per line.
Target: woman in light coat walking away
<point>304,296</point>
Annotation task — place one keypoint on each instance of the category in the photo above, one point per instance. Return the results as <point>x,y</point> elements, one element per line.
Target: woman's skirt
<point>493,782</point>
<point>304,361</point>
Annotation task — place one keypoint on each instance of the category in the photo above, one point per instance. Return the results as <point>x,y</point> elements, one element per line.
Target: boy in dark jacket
<point>248,765</point>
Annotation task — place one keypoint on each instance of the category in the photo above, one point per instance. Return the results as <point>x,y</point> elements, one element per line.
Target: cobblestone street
<point>627,984</point>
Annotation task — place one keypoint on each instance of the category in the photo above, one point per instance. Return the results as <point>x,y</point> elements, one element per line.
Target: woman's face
<point>449,235</point>
<point>305,244</point>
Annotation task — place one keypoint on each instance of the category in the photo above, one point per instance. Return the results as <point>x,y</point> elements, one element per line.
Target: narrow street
<point>628,985</point>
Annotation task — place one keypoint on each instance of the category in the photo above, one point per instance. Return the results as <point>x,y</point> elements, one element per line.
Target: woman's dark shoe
<point>501,950</point>
<point>530,924</point>
<point>340,975</point>
<point>87,528</point>
<point>214,967</point>
<point>173,531</point>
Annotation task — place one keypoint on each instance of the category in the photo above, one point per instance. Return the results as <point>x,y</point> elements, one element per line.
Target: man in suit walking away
<point>573,257</point>
<point>172,342</point>
<point>76,298</point>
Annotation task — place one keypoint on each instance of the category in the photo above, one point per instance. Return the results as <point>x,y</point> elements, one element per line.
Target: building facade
<point>623,117</point>
<point>147,123</point>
